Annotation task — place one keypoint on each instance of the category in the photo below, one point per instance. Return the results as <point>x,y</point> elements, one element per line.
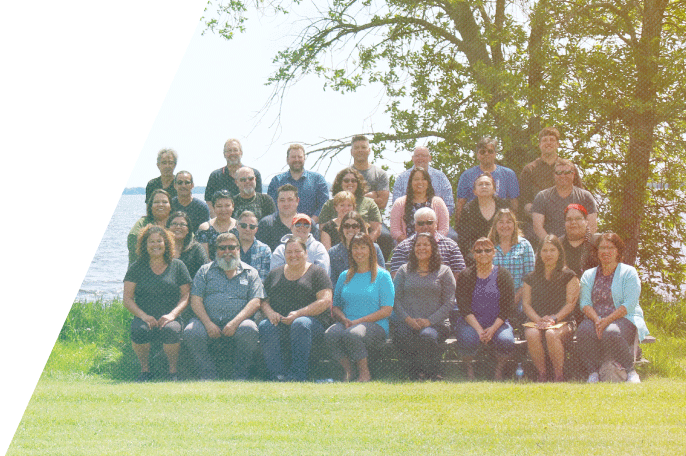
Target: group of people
<point>283,273</point>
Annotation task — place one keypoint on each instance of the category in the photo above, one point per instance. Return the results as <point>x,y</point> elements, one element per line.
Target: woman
<point>351,224</point>
<point>297,308</point>
<point>420,193</point>
<point>343,202</point>
<point>223,222</point>
<point>351,180</point>
<point>609,300</point>
<point>186,249</point>
<point>485,298</point>
<point>513,252</point>
<point>550,295</point>
<point>156,291</point>
<point>424,293</point>
<point>362,303</point>
<point>157,212</point>
<point>477,215</point>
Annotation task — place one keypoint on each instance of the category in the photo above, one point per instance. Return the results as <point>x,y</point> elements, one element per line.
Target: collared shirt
<point>313,190</point>
<point>506,183</point>
<point>519,261</point>
<point>439,181</point>
<point>224,298</point>
<point>220,179</point>
<point>447,249</point>
<point>258,256</point>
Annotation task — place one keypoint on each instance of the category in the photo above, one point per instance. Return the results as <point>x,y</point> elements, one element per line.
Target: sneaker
<point>632,377</point>
<point>593,378</point>
<point>144,377</point>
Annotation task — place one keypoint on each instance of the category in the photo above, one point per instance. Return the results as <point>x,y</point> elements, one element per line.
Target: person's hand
<point>346,321</point>
<point>288,319</point>
<point>151,321</point>
<point>545,322</point>
<point>213,330</point>
<point>164,319</point>
<point>273,317</point>
<point>423,323</point>
<point>487,334</point>
<point>600,326</point>
<point>412,323</point>
<point>230,329</point>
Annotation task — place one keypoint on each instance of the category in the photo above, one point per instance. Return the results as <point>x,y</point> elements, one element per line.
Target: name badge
<point>244,281</point>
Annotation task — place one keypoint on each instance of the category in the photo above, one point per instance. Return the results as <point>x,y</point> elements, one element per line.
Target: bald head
<point>421,157</point>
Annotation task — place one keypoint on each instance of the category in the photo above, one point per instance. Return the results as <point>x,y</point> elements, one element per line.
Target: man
<point>184,201</point>
<point>248,199</point>
<point>225,294</point>
<point>506,184</point>
<point>577,240</point>
<point>312,187</point>
<point>316,252</point>
<point>539,175</point>
<point>273,227</point>
<point>425,222</point>
<point>253,252</point>
<point>548,209</point>
<point>166,163</point>
<point>225,178</point>
<point>422,157</point>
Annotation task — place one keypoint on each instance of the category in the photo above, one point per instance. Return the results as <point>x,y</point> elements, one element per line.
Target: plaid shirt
<point>260,256</point>
<point>519,261</point>
<point>447,249</point>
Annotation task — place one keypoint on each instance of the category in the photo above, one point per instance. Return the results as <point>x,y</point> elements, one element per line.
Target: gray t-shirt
<point>224,298</point>
<point>376,178</point>
<point>429,297</point>
<point>552,207</point>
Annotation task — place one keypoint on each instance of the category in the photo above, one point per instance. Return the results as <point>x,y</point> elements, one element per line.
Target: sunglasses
<point>351,226</point>
<point>247,179</point>
<point>425,223</point>
<point>221,248</point>
<point>179,182</point>
<point>302,225</point>
<point>560,173</point>
<point>247,225</point>
<point>479,251</point>
<point>348,180</point>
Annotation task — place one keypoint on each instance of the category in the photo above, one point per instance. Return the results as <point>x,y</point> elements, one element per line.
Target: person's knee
<point>171,333</point>
<point>301,324</point>
<point>266,327</point>
<point>141,334</point>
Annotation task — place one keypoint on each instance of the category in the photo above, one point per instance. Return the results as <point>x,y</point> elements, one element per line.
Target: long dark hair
<point>362,187</point>
<point>430,193</point>
<point>539,268</point>
<point>364,239</point>
<point>189,236</point>
<point>435,259</point>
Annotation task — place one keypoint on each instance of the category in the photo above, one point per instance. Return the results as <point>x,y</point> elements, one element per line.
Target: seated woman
<point>477,215</point>
<point>351,180</point>
<point>297,308</point>
<point>609,300</point>
<point>186,248</point>
<point>420,193</point>
<point>222,201</point>
<point>343,202</point>
<point>351,224</point>
<point>485,298</point>
<point>424,293</point>
<point>513,252</point>
<point>156,291</point>
<point>157,212</point>
<point>550,295</point>
<point>362,303</point>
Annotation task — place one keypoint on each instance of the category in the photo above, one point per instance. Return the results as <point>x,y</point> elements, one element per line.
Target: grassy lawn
<point>86,415</point>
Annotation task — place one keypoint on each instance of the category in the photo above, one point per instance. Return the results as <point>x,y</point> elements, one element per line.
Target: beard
<point>233,161</point>
<point>228,263</point>
<point>249,191</point>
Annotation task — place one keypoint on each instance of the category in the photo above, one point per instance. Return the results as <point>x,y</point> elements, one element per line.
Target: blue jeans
<point>420,347</point>
<point>302,332</point>
<point>468,342</point>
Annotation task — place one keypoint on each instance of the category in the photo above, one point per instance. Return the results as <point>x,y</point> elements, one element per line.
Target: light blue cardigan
<point>626,288</point>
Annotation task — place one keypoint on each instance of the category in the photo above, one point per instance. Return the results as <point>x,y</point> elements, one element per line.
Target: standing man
<point>225,294</point>
<point>253,252</point>
<point>506,184</point>
<point>184,201</point>
<point>311,186</point>
<point>422,157</point>
<point>166,163</point>
<point>248,199</point>
<point>225,178</point>
<point>548,209</point>
<point>273,227</point>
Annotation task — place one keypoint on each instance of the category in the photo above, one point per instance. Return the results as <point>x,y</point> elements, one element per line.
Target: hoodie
<point>316,253</point>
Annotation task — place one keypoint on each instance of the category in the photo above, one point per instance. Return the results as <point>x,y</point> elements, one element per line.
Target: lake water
<point>105,277</point>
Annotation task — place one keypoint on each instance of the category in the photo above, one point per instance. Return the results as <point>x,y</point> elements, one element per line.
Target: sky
<point>90,92</point>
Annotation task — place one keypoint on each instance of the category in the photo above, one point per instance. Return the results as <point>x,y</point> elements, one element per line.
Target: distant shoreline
<point>141,191</point>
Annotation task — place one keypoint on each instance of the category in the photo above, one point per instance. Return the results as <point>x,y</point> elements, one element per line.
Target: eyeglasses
<point>486,151</point>
<point>246,179</point>
<point>480,251</point>
<point>246,225</point>
<point>230,248</point>
<point>302,225</point>
<point>351,226</point>
<point>348,180</point>
<point>560,173</point>
<point>424,223</point>
<point>167,162</point>
<point>178,225</point>
<point>178,182</point>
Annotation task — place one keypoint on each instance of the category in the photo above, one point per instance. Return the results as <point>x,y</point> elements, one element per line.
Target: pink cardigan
<point>398,226</point>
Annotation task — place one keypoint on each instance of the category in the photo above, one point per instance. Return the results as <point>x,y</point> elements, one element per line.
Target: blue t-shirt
<point>506,183</point>
<point>359,297</point>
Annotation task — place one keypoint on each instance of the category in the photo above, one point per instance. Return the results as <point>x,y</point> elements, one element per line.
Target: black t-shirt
<point>157,295</point>
<point>197,211</point>
<point>548,297</point>
<point>286,295</point>
<point>220,179</point>
<point>194,257</point>
<point>261,205</point>
<point>156,184</point>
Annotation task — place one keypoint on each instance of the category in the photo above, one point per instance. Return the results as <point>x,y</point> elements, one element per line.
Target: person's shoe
<point>593,378</point>
<point>173,377</point>
<point>144,377</point>
<point>632,377</point>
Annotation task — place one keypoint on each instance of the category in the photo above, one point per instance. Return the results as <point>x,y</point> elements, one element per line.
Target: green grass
<point>94,417</point>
